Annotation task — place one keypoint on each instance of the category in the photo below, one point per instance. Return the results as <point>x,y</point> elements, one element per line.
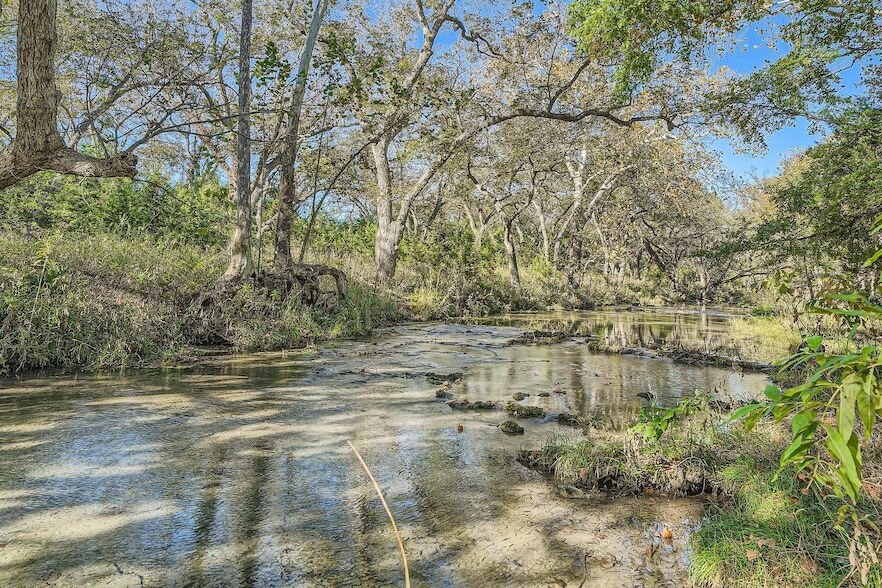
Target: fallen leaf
<point>460,428</point>
<point>751,554</point>
<point>601,536</point>
<point>765,542</point>
<point>809,566</point>
<point>666,533</point>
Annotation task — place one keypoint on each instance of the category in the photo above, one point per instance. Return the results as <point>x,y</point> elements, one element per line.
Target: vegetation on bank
<point>80,301</point>
<point>763,527</point>
<point>800,472</point>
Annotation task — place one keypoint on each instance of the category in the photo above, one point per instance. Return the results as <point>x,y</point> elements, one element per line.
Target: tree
<point>824,38</point>
<point>240,244</point>
<point>288,157</point>
<point>38,145</point>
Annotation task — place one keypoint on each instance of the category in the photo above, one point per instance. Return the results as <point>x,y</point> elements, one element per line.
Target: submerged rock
<point>444,393</point>
<point>524,412</point>
<point>465,404</point>
<point>544,394</point>
<point>519,396</point>
<point>568,419</point>
<point>542,337</point>
<point>511,428</point>
<point>438,379</point>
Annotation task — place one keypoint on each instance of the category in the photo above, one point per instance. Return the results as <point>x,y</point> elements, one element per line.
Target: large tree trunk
<point>389,229</point>
<point>386,243</point>
<point>240,244</point>
<point>511,255</point>
<point>37,145</point>
<point>288,182</point>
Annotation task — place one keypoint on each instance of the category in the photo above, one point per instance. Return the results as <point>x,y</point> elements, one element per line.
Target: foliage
<point>826,199</point>
<point>99,302</point>
<point>839,403</point>
<point>824,38</point>
<point>194,213</point>
<point>764,529</point>
<point>652,422</point>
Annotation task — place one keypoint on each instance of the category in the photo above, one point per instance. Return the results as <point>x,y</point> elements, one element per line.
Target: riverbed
<point>237,471</point>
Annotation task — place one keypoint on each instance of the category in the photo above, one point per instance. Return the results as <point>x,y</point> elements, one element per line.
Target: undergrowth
<point>762,528</point>
<point>104,301</point>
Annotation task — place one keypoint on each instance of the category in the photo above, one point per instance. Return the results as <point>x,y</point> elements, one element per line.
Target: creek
<point>236,471</point>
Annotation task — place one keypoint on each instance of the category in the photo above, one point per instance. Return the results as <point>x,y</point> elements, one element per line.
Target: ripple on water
<point>237,472</point>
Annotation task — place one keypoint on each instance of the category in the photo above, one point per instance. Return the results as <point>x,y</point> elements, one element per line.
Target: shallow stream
<point>237,472</point>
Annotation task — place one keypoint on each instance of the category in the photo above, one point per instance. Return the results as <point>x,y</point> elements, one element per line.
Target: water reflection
<point>662,327</point>
<point>237,473</point>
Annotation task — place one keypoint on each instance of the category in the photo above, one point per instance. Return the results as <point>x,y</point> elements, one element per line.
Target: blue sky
<point>750,54</point>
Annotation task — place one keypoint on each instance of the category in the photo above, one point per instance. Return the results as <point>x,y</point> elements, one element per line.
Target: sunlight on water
<point>236,472</point>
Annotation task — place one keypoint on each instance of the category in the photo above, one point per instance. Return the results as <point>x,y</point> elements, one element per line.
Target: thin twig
<point>388,512</point>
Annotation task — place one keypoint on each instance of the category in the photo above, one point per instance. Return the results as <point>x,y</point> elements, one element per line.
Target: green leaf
<point>773,392</point>
<point>801,442</point>
<point>801,421</point>
<point>814,343</point>
<point>851,387</point>
<point>750,421</point>
<point>849,470</point>
<point>743,411</point>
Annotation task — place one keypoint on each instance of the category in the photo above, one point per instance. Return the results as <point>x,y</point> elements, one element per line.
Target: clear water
<point>237,472</point>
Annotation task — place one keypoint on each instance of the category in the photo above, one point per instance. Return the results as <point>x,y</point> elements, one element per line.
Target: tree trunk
<point>386,245</point>
<point>389,229</point>
<point>288,182</point>
<point>240,245</point>
<point>511,255</point>
<point>543,230</point>
<point>37,145</point>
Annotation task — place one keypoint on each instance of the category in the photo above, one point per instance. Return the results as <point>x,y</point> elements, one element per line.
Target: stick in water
<point>388,512</point>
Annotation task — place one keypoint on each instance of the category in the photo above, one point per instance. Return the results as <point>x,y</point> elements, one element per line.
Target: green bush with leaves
<point>837,407</point>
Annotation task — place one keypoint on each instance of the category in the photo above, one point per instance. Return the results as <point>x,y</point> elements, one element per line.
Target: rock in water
<point>524,412</point>
<point>464,404</point>
<point>519,396</point>
<point>566,418</point>
<point>511,428</point>
<point>439,379</point>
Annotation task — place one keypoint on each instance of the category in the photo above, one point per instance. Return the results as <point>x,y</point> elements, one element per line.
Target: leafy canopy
<point>822,37</point>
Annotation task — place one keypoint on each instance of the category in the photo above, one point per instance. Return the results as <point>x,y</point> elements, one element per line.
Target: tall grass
<point>104,301</point>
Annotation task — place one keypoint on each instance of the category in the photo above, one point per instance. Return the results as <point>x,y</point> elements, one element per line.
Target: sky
<point>753,53</point>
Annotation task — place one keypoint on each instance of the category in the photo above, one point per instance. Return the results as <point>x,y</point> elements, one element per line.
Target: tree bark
<point>389,228</point>
<point>240,244</point>
<point>38,146</point>
<point>288,181</point>
<point>511,255</point>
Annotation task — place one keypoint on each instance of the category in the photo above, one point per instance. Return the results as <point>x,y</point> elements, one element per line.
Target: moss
<point>511,428</point>
<point>524,412</point>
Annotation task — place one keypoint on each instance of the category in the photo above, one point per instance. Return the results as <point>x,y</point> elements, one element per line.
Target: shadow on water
<point>237,473</point>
